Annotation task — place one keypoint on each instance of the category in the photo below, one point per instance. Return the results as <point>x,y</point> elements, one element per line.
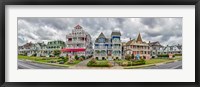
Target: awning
<point>73,49</point>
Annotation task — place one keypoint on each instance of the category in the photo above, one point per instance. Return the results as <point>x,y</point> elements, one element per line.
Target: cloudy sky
<point>165,30</point>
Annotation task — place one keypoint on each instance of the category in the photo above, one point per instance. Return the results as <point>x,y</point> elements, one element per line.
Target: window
<point>101,40</point>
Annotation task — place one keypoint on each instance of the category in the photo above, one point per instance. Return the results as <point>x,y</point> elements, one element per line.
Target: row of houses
<point>40,48</point>
<point>79,42</point>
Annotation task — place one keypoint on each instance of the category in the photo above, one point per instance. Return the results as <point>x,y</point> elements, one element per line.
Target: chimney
<point>149,41</point>
<point>130,38</point>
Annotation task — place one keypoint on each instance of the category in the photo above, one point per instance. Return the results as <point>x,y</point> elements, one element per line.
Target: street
<point>30,65</point>
<point>174,65</point>
<point>83,65</point>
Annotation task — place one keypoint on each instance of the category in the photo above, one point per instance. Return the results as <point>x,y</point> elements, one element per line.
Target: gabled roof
<point>116,33</point>
<point>179,47</point>
<point>20,47</point>
<point>78,27</point>
<point>41,44</point>
<point>130,42</point>
<point>27,45</point>
<point>139,38</point>
<point>101,35</point>
<point>171,47</point>
<point>155,44</point>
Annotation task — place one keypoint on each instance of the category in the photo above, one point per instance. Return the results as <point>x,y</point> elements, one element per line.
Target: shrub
<point>94,63</point>
<point>34,55</point>
<point>99,64</point>
<point>70,62</point>
<point>89,56</point>
<point>128,57</point>
<point>51,56</point>
<point>56,52</point>
<point>51,61</point>
<point>178,54</point>
<point>25,54</point>
<point>59,60</point>
<point>139,62</point>
<point>124,63</point>
<point>76,57</point>
<point>62,62</point>
<point>163,55</point>
<point>83,57</point>
<point>132,56</point>
<point>133,63</point>
<point>62,57</point>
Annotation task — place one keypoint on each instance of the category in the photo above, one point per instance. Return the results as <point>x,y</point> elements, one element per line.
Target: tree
<point>76,57</point>
<point>56,52</point>
<point>132,56</point>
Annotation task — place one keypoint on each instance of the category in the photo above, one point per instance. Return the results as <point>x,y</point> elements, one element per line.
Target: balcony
<point>116,54</point>
<point>80,35</point>
<point>100,47</point>
<point>109,47</point>
<point>116,47</point>
<point>116,41</point>
<point>76,41</point>
<point>76,35</point>
<point>75,47</point>
<point>100,54</point>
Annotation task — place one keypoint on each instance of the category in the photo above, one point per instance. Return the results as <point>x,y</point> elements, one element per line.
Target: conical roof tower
<point>139,38</point>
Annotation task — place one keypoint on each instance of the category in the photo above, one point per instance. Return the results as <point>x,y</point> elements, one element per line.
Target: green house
<point>55,45</point>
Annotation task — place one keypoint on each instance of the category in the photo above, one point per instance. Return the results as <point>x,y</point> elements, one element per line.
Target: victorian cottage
<point>156,49</point>
<point>108,48</point>
<point>138,48</point>
<point>174,49</point>
<point>78,42</point>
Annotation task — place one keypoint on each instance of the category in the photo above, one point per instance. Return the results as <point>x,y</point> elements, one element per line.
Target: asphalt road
<point>174,65</point>
<point>30,65</point>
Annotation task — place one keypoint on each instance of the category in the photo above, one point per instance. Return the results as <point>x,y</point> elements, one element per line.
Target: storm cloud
<point>168,31</point>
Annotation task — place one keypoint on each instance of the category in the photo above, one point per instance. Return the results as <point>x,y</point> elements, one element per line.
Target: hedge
<point>133,63</point>
<point>178,54</point>
<point>98,64</point>
<point>164,55</point>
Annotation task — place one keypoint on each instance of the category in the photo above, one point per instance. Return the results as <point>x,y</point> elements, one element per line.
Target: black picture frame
<point>98,2</point>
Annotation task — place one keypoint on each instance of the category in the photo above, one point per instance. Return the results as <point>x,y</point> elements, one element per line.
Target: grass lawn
<point>161,60</point>
<point>75,62</point>
<point>153,62</point>
<point>47,60</point>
